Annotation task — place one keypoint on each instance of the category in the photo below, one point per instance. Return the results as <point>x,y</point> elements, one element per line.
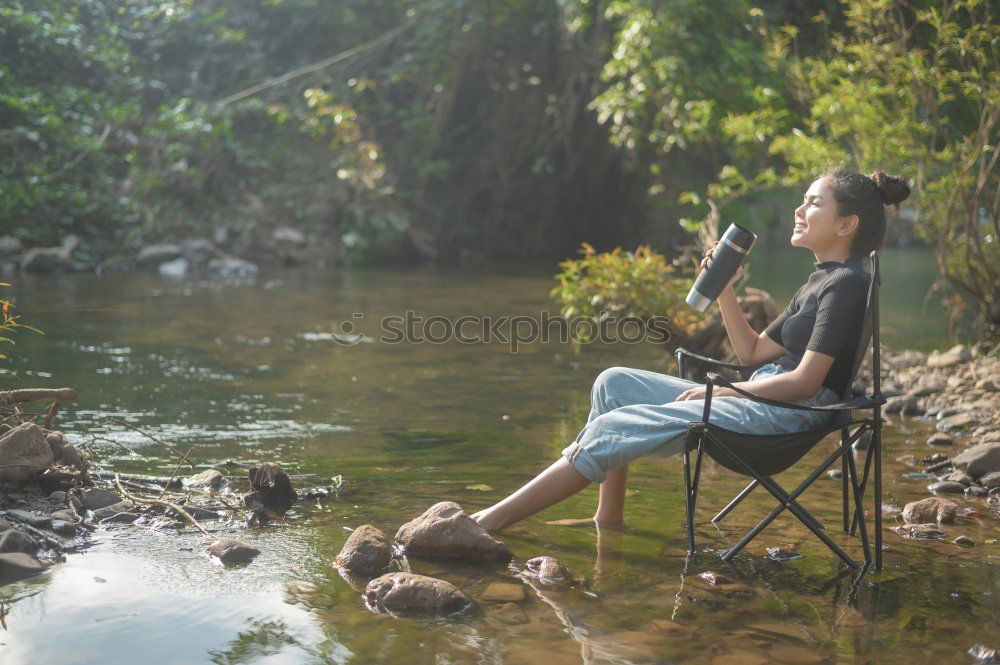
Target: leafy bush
<point>620,284</point>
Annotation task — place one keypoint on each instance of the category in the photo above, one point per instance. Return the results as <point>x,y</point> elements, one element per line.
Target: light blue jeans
<point>633,413</point>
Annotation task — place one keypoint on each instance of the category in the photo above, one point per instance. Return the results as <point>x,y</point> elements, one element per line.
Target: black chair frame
<point>725,447</point>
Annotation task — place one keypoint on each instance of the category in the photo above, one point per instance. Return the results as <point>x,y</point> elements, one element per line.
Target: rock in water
<point>445,531</point>
<point>407,593</point>
<point>366,551</point>
<point>18,565</point>
<point>97,498</point>
<point>13,540</point>
<point>211,479</point>
<point>978,460</point>
<point>931,509</point>
<point>920,531</point>
<point>546,568</point>
<point>231,551</point>
<point>25,444</point>
<point>271,488</point>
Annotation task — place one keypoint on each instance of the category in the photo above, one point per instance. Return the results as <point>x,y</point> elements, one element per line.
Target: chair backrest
<point>868,334</point>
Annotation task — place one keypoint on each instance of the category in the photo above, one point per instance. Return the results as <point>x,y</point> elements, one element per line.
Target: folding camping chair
<point>761,457</point>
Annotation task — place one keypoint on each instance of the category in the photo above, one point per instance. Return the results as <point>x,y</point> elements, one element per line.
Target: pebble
<point>946,487</point>
<point>40,521</point>
<point>965,541</point>
<point>941,439</point>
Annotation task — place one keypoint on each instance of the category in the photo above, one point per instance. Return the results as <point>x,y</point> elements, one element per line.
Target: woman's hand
<point>698,392</point>
<point>705,262</point>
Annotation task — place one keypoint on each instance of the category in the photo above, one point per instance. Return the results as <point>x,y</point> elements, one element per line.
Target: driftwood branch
<point>156,502</point>
<point>166,485</point>
<point>150,437</point>
<point>38,395</point>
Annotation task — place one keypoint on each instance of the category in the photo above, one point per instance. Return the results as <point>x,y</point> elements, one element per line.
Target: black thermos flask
<point>729,254</point>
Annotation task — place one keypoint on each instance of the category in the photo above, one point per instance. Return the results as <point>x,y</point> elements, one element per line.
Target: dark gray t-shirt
<point>825,315</point>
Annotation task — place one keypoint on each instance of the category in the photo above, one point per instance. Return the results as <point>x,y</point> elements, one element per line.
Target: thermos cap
<point>739,238</point>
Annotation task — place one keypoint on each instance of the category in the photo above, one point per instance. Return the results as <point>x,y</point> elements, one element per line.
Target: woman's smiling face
<point>817,225</point>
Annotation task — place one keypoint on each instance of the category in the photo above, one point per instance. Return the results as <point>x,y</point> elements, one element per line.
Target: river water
<point>253,372</point>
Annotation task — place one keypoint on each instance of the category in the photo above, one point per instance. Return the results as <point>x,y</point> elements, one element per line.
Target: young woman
<point>810,346</point>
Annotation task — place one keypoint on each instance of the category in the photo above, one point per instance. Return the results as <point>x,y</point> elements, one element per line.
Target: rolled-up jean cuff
<point>585,463</point>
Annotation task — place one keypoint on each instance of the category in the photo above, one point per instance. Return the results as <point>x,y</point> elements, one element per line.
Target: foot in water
<point>588,522</point>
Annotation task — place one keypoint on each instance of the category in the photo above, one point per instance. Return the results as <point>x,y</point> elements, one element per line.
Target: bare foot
<point>588,522</point>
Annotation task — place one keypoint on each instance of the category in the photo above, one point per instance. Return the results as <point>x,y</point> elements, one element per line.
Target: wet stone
<point>941,439</point>
<point>446,531</point>
<point>983,655</point>
<point>990,480</point>
<point>232,551</point>
<point>272,487</point>
<point>366,551</point>
<point>13,540</point>
<point>958,421</point>
<point>63,528</point>
<point>920,531</point>
<point>931,509</point>
<point>34,519</point>
<point>96,498</point>
<point>946,487</point>
<point>209,479</point>
<point>411,594</point>
<point>959,476</point>
<point>979,460</point>
<point>4,525</point>
<point>976,490</point>
<point>18,565</point>
<point>120,512</point>
<point>964,541</point>
<point>546,568</point>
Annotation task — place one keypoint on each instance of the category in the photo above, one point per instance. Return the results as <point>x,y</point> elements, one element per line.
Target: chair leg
<point>843,485</point>
<point>877,445</point>
<point>688,504</point>
<point>778,488</point>
<point>859,507</point>
<point>736,500</point>
<point>865,476</point>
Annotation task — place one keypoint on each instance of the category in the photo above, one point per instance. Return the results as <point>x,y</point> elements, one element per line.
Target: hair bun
<point>893,190</point>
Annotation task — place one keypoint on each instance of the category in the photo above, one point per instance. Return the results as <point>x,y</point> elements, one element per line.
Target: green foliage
<point>621,284</point>
<point>911,92</point>
<point>9,322</point>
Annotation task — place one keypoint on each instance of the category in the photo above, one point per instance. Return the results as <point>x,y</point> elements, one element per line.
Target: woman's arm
<point>800,383</point>
<point>751,348</point>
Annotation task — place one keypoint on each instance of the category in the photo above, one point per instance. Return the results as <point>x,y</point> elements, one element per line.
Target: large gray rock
<point>46,260</point>
<point>25,444</point>
<point>990,480</point>
<point>408,593</point>
<point>151,256</point>
<point>445,531</point>
<point>95,498</point>
<point>931,509</point>
<point>978,460</point>
<point>231,551</point>
<point>366,551</point>
<point>953,356</point>
<point>13,540</point>
<point>18,565</point>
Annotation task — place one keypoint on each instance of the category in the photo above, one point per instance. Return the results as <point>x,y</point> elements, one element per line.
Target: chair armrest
<point>711,361</point>
<point>864,402</point>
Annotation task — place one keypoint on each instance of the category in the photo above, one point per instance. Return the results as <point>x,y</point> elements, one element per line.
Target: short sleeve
<point>773,329</point>
<point>840,308</point>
